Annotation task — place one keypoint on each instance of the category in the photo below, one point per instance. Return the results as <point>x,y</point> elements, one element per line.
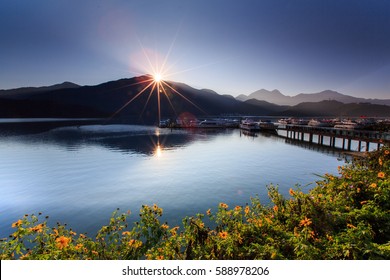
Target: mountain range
<point>125,100</point>
<point>278,98</point>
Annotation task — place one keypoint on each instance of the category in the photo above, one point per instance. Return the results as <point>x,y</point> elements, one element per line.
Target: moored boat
<point>250,125</point>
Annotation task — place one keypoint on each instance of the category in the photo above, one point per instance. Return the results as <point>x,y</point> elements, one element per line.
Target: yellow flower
<point>62,242</point>
<point>237,208</point>
<point>164,226</point>
<point>381,175</point>
<point>380,161</point>
<point>247,210</point>
<point>223,205</point>
<point>305,222</point>
<point>223,234</point>
<point>82,235</point>
<point>155,207</point>
<point>78,246</point>
<point>95,253</point>
<point>135,243</point>
<point>17,223</point>
<point>173,231</point>
<point>123,233</point>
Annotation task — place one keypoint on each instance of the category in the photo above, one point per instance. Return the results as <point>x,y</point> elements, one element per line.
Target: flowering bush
<point>343,217</point>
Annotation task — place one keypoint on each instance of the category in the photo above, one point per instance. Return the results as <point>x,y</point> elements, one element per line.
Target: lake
<point>79,175</point>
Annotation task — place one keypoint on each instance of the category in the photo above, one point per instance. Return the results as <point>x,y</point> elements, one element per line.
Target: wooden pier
<point>326,136</point>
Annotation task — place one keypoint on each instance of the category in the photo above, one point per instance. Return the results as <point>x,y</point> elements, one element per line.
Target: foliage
<point>342,217</point>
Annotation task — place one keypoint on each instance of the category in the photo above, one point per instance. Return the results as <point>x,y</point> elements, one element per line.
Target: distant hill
<point>336,108</point>
<point>277,97</point>
<point>29,90</point>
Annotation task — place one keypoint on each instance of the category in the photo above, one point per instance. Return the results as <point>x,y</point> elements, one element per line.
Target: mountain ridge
<point>276,97</point>
<point>121,99</point>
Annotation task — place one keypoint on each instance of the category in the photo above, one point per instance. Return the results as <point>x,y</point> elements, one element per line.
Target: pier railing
<point>317,135</point>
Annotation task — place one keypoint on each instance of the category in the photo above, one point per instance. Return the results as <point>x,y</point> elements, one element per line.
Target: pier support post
<point>349,144</point>
<point>343,143</point>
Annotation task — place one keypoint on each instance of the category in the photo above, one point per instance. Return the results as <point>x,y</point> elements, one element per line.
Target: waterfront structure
<point>317,135</point>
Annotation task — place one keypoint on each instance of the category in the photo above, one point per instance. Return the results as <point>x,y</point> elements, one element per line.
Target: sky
<point>232,47</point>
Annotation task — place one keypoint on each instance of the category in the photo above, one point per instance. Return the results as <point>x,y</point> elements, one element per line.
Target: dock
<point>327,136</point>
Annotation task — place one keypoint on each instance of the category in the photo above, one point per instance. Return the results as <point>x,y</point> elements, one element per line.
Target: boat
<point>250,125</point>
<point>346,124</point>
<point>211,124</point>
<point>267,126</point>
<point>299,122</point>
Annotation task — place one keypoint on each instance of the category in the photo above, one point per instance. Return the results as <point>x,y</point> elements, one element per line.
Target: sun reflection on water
<point>158,151</point>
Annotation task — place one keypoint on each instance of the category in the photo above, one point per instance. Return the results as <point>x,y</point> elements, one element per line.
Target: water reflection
<point>79,175</point>
<point>127,139</point>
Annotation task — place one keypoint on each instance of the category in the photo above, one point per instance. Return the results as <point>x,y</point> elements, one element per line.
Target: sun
<point>157,77</point>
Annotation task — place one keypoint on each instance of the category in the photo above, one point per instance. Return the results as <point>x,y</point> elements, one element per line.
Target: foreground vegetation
<point>343,217</point>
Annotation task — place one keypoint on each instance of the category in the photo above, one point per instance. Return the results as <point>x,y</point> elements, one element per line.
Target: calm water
<point>80,175</point>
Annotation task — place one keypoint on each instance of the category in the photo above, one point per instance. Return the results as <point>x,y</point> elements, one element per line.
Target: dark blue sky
<point>232,47</point>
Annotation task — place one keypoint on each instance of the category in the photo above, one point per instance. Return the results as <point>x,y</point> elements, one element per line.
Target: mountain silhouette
<point>128,100</point>
<point>278,98</point>
<point>112,100</point>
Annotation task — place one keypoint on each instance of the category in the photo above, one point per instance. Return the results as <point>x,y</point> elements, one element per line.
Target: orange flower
<point>380,161</point>
<point>276,208</point>
<point>82,235</point>
<point>350,226</point>
<point>135,243</point>
<point>237,208</point>
<point>305,222</point>
<point>363,202</point>
<point>387,152</point>
<point>78,246</point>
<point>17,223</point>
<point>208,212</point>
<point>223,205</point>
<point>164,226</point>
<point>173,231</point>
<point>38,228</point>
<point>291,192</point>
<point>223,234</point>
<point>373,185</point>
<point>62,242</point>
<point>247,210</point>
<point>160,257</point>
<point>381,175</point>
